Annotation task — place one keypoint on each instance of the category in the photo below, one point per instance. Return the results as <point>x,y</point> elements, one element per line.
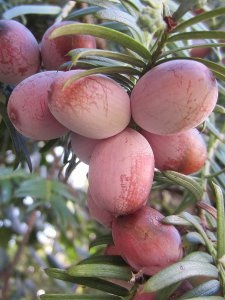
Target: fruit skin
<point>200,52</point>
<point>54,51</point>
<point>19,52</point>
<point>94,106</point>
<point>28,109</point>
<point>96,212</point>
<point>83,146</point>
<point>174,96</point>
<point>121,171</point>
<point>184,152</point>
<point>145,243</point>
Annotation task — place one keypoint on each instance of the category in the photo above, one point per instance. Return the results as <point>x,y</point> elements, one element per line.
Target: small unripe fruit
<point>98,213</point>
<point>83,146</point>
<point>19,52</point>
<point>144,242</point>
<point>174,96</point>
<point>54,51</point>
<point>94,106</point>
<point>28,109</point>
<point>184,152</point>
<point>121,172</point>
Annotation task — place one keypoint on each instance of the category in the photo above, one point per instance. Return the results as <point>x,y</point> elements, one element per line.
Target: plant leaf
<point>78,297</point>
<point>124,18</point>
<point>76,54</point>
<point>193,35</point>
<point>83,12</point>
<point>101,3</point>
<point>208,288</point>
<point>220,221</point>
<point>20,10</point>
<point>102,240</point>
<point>101,270</point>
<point>103,32</point>
<point>186,181</point>
<point>199,18</point>
<point>199,256</point>
<point>178,272</point>
<point>92,282</point>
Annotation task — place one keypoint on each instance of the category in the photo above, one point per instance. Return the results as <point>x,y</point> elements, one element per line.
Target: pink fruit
<point>145,243</point>
<point>121,172</point>
<point>184,152</point>
<point>28,109</point>
<point>174,96</point>
<point>19,52</point>
<point>54,51</point>
<point>94,106</point>
<point>83,146</point>
<point>200,52</point>
<point>96,212</point>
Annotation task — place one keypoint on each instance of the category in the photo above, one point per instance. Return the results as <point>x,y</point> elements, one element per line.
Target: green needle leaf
<point>178,272</point>
<point>92,282</point>
<point>220,221</point>
<point>76,54</point>
<point>31,9</point>
<point>103,32</point>
<point>101,270</point>
<point>192,35</point>
<point>199,18</point>
<point>117,15</point>
<point>185,181</point>
<point>79,297</point>
<point>208,288</point>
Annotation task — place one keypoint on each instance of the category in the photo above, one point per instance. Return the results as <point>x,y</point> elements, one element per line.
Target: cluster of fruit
<point>166,104</point>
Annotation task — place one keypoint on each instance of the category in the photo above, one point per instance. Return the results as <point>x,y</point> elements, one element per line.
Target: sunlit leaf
<point>195,238</point>
<point>20,10</point>
<point>76,54</point>
<point>92,282</point>
<point>199,18</point>
<point>207,288</point>
<point>178,272</point>
<point>103,70</point>
<point>102,240</point>
<point>101,270</point>
<point>103,32</point>
<point>220,221</point>
<point>78,297</point>
<point>117,15</point>
<point>83,12</point>
<point>199,256</point>
<point>106,259</point>
<point>101,3</point>
<point>193,35</point>
<point>186,181</point>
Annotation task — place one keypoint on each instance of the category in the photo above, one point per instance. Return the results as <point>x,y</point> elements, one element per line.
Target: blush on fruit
<point>184,152</point>
<point>144,242</point>
<point>121,172</point>
<point>174,96</point>
<point>19,52</point>
<point>28,109</point>
<point>94,106</point>
<point>54,51</point>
